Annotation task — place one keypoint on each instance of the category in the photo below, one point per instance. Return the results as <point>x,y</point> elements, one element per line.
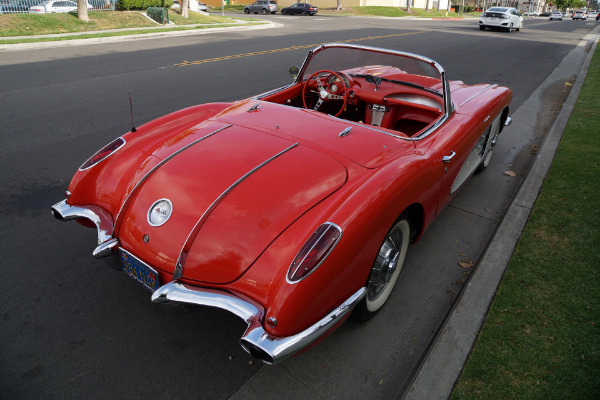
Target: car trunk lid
<point>232,193</point>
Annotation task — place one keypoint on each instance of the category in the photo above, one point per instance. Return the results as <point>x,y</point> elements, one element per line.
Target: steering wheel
<point>329,90</point>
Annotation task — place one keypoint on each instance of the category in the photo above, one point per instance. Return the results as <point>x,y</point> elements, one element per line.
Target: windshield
<point>350,58</point>
<point>374,63</point>
<point>370,68</point>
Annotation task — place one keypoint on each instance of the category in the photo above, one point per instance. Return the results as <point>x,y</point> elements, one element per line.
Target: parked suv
<point>261,6</point>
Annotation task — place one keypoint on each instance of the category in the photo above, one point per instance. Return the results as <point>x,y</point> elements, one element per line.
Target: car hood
<point>233,190</point>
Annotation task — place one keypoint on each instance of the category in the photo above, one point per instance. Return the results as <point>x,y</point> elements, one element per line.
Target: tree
<point>426,5</point>
<point>82,12</point>
<point>339,5</point>
<point>565,4</point>
<point>184,5</point>
<point>407,5</point>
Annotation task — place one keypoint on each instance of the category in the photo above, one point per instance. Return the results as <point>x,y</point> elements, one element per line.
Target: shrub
<point>142,4</point>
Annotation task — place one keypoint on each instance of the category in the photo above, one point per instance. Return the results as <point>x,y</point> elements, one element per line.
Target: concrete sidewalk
<point>449,350</point>
<point>196,29</point>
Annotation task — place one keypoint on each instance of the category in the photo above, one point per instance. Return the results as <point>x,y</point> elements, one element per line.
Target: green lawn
<point>44,24</point>
<point>541,337</point>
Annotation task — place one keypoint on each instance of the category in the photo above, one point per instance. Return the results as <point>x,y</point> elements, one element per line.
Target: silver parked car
<point>506,18</point>
<point>556,15</point>
<point>55,6</point>
<point>579,14</point>
<point>262,6</point>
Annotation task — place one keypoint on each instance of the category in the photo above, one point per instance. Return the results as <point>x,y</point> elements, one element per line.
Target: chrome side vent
<point>345,132</point>
<point>254,108</point>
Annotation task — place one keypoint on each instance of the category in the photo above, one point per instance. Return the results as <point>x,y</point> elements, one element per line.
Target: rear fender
<point>112,176</point>
<point>365,212</point>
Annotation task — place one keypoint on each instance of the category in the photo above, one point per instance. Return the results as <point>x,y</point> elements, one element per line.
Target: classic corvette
<point>295,207</point>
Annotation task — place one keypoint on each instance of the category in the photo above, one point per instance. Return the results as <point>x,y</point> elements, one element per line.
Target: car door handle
<point>446,159</point>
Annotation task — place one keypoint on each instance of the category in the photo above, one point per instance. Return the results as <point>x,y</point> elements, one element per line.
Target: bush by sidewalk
<point>541,337</point>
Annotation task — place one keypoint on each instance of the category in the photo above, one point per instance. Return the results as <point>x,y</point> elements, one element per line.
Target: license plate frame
<point>139,270</point>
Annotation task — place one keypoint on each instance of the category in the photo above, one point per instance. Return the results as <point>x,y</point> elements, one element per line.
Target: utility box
<point>159,14</point>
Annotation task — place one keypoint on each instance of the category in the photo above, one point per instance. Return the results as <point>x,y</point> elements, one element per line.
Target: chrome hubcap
<point>385,265</point>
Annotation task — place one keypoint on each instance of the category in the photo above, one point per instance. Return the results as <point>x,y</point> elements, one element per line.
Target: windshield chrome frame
<point>448,106</point>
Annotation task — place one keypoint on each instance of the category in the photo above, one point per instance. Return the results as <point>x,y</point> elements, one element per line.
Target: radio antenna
<point>131,109</point>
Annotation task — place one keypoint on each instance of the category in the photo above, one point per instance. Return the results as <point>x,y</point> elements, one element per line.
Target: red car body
<point>293,207</point>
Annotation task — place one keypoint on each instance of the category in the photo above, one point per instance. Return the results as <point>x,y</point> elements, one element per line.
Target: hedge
<point>142,4</point>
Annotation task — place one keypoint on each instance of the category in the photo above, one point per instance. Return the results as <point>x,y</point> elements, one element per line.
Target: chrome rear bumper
<point>98,216</point>
<point>256,340</point>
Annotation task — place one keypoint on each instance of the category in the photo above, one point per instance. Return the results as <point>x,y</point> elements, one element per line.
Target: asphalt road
<point>73,328</point>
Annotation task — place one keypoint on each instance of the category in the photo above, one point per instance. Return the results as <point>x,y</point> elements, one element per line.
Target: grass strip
<point>47,24</point>
<point>540,339</point>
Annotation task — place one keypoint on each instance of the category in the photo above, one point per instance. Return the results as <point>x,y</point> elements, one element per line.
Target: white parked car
<point>556,15</point>
<point>506,18</point>
<point>579,14</point>
<point>55,6</point>
<point>592,14</point>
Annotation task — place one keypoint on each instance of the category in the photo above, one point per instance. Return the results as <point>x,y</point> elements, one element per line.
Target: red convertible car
<point>292,208</point>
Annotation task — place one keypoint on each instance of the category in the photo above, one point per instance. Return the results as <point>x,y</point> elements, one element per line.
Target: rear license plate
<point>139,271</point>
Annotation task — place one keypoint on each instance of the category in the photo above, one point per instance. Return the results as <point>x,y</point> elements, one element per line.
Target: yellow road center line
<point>257,53</point>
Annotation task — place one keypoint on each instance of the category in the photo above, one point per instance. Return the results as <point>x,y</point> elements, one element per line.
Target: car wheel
<point>481,27</point>
<point>264,11</point>
<point>385,270</point>
<point>303,12</point>
<point>247,11</point>
<point>487,157</point>
<point>283,12</point>
<point>510,28</point>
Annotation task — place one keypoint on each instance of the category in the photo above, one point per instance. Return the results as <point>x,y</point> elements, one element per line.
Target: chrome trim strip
<point>98,216</point>
<point>254,108</point>
<point>178,272</point>
<point>345,132</point>
<point>160,164</point>
<point>275,349</point>
<point>93,155</point>
<point>105,249</point>
<point>368,48</point>
<point>448,105</point>
<point>184,293</point>
<point>331,224</point>
<point>256,340</point>
<point>272,92</point>
<point>373,128</point>
<point>477,94</point>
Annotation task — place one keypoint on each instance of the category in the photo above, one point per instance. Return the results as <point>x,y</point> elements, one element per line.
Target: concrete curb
<point>116,39</point>
<point>448,353</point>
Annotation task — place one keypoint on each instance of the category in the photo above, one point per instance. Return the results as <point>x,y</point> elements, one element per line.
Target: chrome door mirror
<point>294,71</point>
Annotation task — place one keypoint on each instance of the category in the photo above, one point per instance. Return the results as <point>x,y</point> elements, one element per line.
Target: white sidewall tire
<point>375,304</point>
